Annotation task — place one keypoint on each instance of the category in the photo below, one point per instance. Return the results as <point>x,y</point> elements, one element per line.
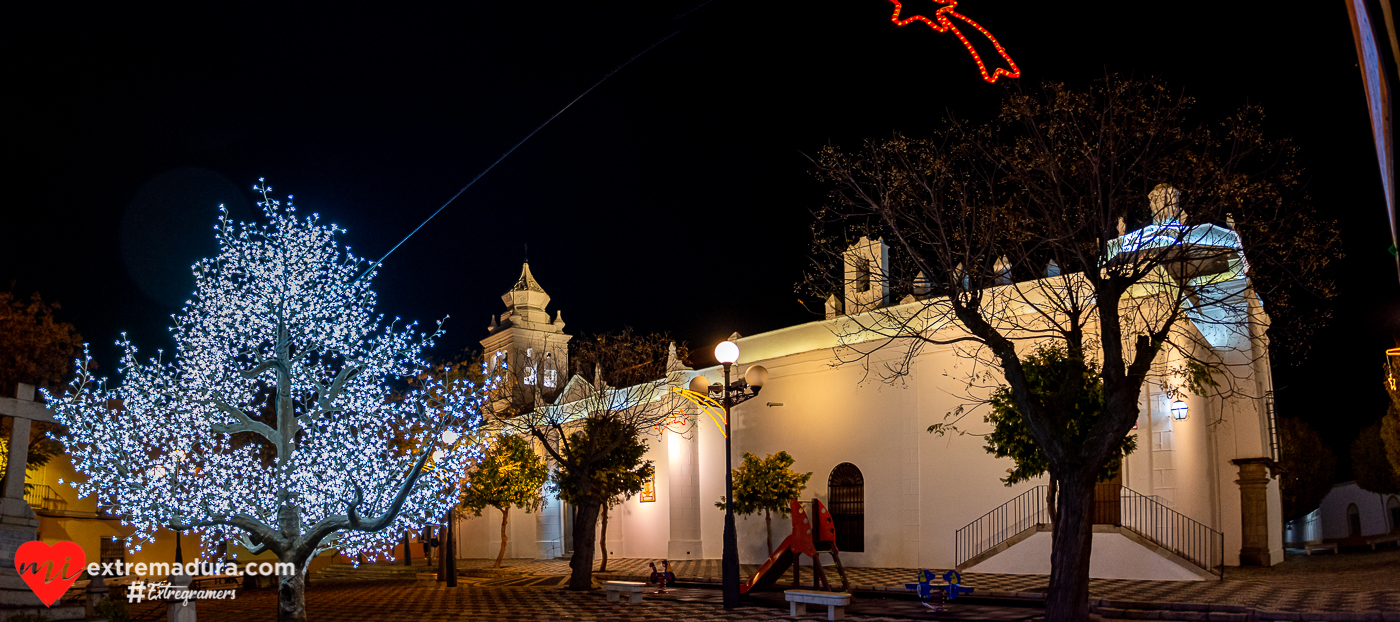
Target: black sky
<point>674,197</point>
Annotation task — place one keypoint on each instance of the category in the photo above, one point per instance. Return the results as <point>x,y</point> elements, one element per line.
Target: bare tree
<point>1102,220</point>
<point>630,395</point>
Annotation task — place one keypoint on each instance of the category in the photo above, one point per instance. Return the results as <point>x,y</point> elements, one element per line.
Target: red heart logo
<point>61,565</point>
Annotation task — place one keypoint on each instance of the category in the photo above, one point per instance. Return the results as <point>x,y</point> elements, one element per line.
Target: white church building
<point>1196,495</point>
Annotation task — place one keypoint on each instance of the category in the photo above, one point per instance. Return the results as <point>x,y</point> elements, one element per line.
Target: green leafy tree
<point>1074,412</point>
<point>511,474</point>
<point>585,423</point>
<point>1369,463</point>
<point>1307,466</point>
<point>602,462</point>
<point>621,481</point>
<point>765,485</point>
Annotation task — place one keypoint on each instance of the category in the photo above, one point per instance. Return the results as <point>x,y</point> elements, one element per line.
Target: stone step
<point>369,572</point>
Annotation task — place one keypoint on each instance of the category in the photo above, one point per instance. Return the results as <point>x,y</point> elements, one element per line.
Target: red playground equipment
<point>802,542</point>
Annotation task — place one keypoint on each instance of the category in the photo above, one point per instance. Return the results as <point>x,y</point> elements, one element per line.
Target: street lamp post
<point>727,352</point>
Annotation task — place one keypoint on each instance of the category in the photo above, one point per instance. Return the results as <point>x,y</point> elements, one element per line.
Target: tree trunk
<point>603,545</point>
<point>441,557</point>
<point>1068,595</point>
<point>291,593</point>
<point>505,518</point>
<point>768,522</point>
<point>585,518</point>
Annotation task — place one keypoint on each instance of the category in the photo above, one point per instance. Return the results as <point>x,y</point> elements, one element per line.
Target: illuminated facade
<point>911,499</point>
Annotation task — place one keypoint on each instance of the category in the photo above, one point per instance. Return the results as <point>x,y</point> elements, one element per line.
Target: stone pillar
<point>17,521</point>
<point>18,461</point>
<point>1254,510</point>
<point>96,591</point>
<point>549,537</point>
<point>683,491</point>
<point>178,610</point>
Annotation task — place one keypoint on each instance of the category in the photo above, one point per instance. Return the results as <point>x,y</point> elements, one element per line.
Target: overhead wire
<point>527,137</point>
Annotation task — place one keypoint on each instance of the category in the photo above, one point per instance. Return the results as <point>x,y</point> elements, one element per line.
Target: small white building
<point>1349,514</point>
<point>1196,494</point>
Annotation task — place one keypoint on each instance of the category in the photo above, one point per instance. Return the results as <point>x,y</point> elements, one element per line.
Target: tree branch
<point>245,423</point>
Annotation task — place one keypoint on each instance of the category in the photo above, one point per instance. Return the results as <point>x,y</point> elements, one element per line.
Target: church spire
<point>526,282</point>
<point>526,305</point>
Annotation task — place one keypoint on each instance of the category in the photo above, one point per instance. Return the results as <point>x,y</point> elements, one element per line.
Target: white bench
<point>212,581</point>
<point>1382,539</point>
<point>1321,547</point>
<point>835,602</point>
<point>616,588</point>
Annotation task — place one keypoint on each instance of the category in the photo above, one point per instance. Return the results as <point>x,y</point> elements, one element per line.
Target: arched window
<point>1392,507</point>
<point>1353,521</point>
<point>529,370</point>
<point>846,502</point>
<point>551,372</point>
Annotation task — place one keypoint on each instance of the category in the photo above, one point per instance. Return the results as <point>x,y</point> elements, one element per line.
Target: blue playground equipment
<point>950,590</point>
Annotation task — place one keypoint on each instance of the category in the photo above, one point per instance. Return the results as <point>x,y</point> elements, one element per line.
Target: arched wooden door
<point>846,502</point>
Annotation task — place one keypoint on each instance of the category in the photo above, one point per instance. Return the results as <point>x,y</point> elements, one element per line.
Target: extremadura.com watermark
<point>194,568</point>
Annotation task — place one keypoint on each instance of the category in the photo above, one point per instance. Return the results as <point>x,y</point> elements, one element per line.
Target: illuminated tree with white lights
<point>275,422</point>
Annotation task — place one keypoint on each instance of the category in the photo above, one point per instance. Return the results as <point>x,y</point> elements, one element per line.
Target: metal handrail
<point>1019,514</point>
<point>1177,532</point>
<point>1172,530</point>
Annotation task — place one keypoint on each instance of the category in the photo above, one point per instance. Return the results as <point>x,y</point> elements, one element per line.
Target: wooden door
<point>1108,505</point>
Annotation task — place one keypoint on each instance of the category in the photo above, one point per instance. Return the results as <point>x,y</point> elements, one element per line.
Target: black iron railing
<point>41,497</point>
<point>1025,511</point>
<point>1174,531</point>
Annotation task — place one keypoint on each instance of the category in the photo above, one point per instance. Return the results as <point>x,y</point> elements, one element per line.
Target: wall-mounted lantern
<point>1179,410</point>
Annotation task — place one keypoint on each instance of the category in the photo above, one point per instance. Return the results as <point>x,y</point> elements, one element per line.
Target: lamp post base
<point>730,563</point>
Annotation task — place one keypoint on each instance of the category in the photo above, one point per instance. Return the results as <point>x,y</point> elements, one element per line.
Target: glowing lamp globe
<point>700,384</point>
<point>450,437</point>
<point>727,352</point>
<point>756,376</point>
<point>1179,410</point>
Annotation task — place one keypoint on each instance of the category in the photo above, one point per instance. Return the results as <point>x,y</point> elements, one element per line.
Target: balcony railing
<point>41,497</point>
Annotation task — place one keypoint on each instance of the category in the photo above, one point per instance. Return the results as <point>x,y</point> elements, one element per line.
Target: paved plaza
<point>1350,586</point>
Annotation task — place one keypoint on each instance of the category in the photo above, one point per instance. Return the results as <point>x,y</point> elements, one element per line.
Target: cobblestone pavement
<point>403,601</point>
<point>1352,582</point>
<point>527,590</point>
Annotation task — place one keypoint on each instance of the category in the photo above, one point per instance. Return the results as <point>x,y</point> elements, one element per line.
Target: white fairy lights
<point>274,421</point>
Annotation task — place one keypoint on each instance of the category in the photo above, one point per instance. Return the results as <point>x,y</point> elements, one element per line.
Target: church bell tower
<point>534,347</point>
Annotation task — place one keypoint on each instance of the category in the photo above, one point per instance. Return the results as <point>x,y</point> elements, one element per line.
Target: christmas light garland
<point>279,330</point>
<point>941,22</point>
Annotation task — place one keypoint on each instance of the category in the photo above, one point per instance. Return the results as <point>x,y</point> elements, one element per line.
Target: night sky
<point>674,197</point>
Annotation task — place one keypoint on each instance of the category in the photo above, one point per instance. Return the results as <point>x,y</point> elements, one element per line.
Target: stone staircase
<point>379,571</point>
<point>1138,518</point>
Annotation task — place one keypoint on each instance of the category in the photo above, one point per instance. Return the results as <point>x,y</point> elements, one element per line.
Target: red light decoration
<point>676,422</point>
<point>942,21</point>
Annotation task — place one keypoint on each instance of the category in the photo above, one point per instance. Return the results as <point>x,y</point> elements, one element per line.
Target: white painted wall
<point>479,537</point>
<point>1369,505</point>
<point>919,488</point>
